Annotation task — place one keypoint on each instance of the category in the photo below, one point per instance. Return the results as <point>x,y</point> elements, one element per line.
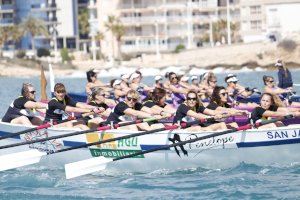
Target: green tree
<point>83,21</point>
<point>99,37</point>
<point>34,27</point>
<point>117,29</point>
<point>9,33</point>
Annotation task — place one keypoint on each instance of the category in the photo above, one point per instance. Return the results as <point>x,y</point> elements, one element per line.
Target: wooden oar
<point>15,160</point>
<point>103,128</point>
<point>99,163</point>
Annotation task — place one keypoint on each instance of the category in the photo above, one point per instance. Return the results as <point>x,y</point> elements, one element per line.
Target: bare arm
<point>177,90</point>
<point>140,114</point>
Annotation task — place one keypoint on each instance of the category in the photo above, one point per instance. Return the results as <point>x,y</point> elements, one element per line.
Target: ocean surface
<point>244,181</point>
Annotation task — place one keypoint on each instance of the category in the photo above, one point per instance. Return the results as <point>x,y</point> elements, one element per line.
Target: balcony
<point>7,8</point>
<point>44,8</point>
<point>7,21</point>
<point>143,48</point>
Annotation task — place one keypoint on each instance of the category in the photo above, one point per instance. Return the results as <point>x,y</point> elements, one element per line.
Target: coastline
<point>237,57</point>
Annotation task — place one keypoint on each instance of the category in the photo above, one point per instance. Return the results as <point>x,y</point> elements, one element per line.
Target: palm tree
<point>9,33</point>
<point>109,25</point>
<point>34,27</point>
<point>99,37</point>
<point>114,25</point>
<point>83,21</point>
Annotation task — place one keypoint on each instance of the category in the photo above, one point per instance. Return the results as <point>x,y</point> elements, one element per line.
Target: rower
<point>158,82</point>
<point>93,81</point>
<point>156,101</point>
<point>193,108</point>
<point>128,110</point>
<point>277,92</point>
<point>219,102</point>
<point>118,93</point>
<point>62,103</point>
<point>23,109</point>
<point>178,92</point>
<point>98,100</point>
<point>267,109</point>
<point>234,89</point>
<point>135,84</point>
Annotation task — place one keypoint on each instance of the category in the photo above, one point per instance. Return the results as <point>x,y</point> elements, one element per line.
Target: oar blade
<point>87,166</point>
<point>20,159</point>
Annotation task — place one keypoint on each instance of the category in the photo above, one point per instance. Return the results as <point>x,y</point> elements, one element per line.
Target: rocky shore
<point>234,57</point>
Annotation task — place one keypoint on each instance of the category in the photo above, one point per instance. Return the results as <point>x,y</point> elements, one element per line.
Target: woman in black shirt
<point>23,109</point>
<point>129,110</point>
<point>268,109</point>
<point>193,108</point>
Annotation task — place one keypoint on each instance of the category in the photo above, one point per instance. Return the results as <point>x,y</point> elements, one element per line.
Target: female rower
<point>62,103</point>
<point>177,91</point>
<point>136,84</point>
<point>98,100</point>
<point>93,82</point>
<point>23,109</point>
<point>157,102</point>
<point>275,91</point>
<point>219,102</point>
<point>234,89</point>
<point>267,109</point>
<point>193,108</point>
<point>128,110</point>
<point>158,82</point>
<point>118,93</point>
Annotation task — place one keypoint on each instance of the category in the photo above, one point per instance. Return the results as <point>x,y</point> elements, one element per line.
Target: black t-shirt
<point>258,112</point>
<point>214,106</point>
<point>56,108</point>
<point>103,105</point>
<point>14,109</point>
<point>118,111</point>
<point>182,111</point>
<point>149,104</point>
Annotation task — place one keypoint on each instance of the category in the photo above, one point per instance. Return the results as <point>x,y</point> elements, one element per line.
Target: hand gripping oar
<point>103,128</point>
<point>20,159</point>
<point>33,156</point>
<point>99,163</point>
<point>43,126</point>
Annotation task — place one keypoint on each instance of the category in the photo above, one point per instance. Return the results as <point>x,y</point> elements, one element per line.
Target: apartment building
<point>59,16</point>
<point>161,25</point>
<point>268,18</point>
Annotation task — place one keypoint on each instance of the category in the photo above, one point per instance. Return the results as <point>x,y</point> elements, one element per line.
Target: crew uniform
<point>56,108</point>
<point>150,104</point>
<point>17,109</point>
<point>182,110</point>
<point>257,113</point>
<point>117,114</point>
<point>213,105</point>
<point>93,103</point>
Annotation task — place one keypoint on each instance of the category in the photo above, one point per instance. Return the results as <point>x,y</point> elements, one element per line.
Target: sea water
<point>244,181</point>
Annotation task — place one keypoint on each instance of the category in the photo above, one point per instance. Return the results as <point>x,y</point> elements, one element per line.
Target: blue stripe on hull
<point>269,143</point>
<point>4,133</point>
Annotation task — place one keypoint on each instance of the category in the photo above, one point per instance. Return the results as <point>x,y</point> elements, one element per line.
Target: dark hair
<point>112,82</point>
<point>59,87</point>
<point>215,97</point>
<point>90,74</point>
<point>210,77</point>
<point>198,103</point>
<point>170,74</point>
<point>267,78</point>
<point>25,89</point>
<point>157,94</point>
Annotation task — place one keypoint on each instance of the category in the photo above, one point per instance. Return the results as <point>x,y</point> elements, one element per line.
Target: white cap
<point>194,78</point>
<point>185,78</point>
<point>278,63</point>
<point>134,75</point>
<point>231,78</point>
<point>96,71</point>
<point>125,76</point>
<point>117,82</point>
<point>158,78</point>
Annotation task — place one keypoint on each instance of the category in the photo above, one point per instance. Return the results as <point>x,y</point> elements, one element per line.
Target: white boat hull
<point>279,146</point>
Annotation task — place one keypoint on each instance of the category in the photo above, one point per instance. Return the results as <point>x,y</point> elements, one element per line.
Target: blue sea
<point>244,181</point>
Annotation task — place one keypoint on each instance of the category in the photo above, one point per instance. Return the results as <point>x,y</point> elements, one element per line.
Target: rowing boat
<point>263,147</point>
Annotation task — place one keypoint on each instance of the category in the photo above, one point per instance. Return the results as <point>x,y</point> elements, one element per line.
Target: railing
<point>7,7</point>
<point>7,21</point>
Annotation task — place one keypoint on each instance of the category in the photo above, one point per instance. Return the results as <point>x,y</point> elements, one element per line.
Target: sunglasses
<point>175,77</point>
<point>235,82</point>
<point>213,81</point>
<point>61,91</point>
<point>191,98</point>
<point>131,99</point>
<point>271,81</point>
<point>32,92</point>
<point>224,94</point>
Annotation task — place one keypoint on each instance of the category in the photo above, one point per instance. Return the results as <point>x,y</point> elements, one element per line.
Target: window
<point>255,10</point>
<point>255,25</point>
